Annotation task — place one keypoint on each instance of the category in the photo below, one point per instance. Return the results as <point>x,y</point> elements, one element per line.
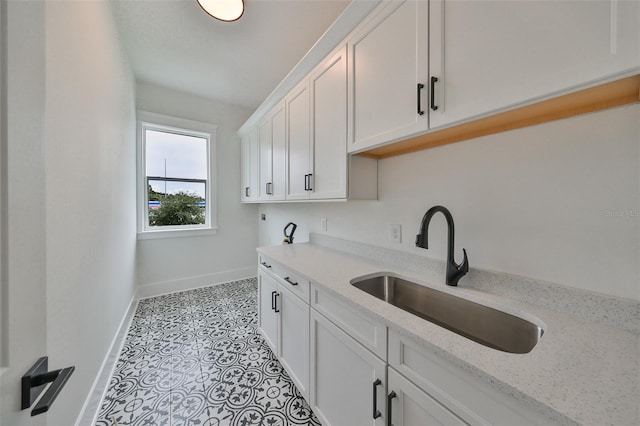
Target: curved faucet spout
<point>454,271</point>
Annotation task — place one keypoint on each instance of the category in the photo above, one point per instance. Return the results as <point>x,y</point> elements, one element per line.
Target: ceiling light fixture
<point>223,10</point>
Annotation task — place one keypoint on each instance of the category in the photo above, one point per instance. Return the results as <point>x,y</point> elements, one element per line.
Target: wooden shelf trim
<point>604,96</point>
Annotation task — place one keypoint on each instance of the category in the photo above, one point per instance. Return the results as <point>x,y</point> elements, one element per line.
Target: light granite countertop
<point>581,371</point>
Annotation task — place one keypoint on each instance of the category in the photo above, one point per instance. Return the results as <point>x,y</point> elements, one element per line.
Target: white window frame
<point>152,121</point>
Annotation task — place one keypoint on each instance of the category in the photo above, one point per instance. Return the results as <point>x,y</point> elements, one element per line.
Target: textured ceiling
<point>173,43</point>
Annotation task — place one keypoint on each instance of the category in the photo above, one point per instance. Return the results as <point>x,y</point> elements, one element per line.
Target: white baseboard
<point>91,408</point>
<point>164,287</point>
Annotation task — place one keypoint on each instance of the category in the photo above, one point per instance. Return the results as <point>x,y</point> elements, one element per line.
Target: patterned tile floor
<point>197,358</point>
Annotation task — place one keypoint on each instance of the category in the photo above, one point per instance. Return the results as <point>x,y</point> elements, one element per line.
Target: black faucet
<point>454,271</point>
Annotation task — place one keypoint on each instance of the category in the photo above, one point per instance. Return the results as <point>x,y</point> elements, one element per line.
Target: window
<point>176,179</point>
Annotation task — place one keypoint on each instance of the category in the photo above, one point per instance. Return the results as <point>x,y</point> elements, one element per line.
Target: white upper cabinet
<point>299,158</point>
<point>272,155</point>
<point>329,111</point>
<point>492,55</point>
<point>249,166</point>
<point>388,72</point>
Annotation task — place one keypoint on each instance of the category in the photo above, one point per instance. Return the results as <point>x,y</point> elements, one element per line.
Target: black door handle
<point>34,382</point>
<point>276,308</point>
<point>246,191</point>
<point>273,300</point>
<point>265,265</point>
<point>434,80</point>
<point>376,413</point>
<point>419,96</point>
<point>306,182</point>
<point>269,188</point>
<point>389,414</point>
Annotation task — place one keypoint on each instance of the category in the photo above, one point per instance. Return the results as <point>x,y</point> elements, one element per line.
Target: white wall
<point>541,202</point>
<point>176,263</point>
<point>90,197</point>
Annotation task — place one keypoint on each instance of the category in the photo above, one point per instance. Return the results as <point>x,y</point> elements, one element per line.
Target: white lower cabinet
<point>284,323</point>
<point>267,315</point>
<point>347,381</point>
<point>408,405</point>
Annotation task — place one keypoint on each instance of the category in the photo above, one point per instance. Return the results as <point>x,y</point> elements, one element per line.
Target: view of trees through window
<point>176,173</point>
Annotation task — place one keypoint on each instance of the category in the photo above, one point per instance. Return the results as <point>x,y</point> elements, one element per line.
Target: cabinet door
<point>294,339</point>
<point>329,95</point>
<point>343,374</point>
<point>272,147</point>
<point>264,166</point>
<point>267,307</point>
<point>411,406</point>
<point>298,152</point>
<point>249,166</point>
<point>491,55</point>
<point>279,154</point>
<point>388,58</point>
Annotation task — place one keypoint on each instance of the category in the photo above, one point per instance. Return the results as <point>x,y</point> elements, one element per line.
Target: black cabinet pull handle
<point>276,302</point>
<point>265,265</point>
<point>246,191</point>
<point>376,413</point>
<point>273,300</point>
<point>287,279</point>
<point>434,80</point>
<point>309,178</point>
<point>419,96</point>
<point>389,398</point>
<point>306,182</point>
<point>269,188</point>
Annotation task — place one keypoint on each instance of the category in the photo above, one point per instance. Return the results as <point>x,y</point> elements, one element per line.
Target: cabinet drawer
<point>467,396</point>
<point>367,331</point>
<point>287,278</point>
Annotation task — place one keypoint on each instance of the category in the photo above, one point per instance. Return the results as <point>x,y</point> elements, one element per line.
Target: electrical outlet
<point>323,223</point>
<point>263,216</point>
<point>395,233</point>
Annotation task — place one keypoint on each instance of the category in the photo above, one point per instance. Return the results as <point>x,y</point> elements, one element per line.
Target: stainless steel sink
<point>482,324</point>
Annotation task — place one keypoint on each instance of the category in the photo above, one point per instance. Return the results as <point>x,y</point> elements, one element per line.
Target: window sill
<point>176,233</point>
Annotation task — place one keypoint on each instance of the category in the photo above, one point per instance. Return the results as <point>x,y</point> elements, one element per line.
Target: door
<point>298,152</point>
<point>347,381</point>
<point>268,309</point>
<point>411,406</point>
<point>294,339</point>
<point>23,331</point>
<point>388,59</point>
<point>329,155</point>
<point>490,55</point>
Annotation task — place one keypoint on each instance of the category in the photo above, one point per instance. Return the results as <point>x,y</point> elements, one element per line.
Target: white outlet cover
<point>395,233</point>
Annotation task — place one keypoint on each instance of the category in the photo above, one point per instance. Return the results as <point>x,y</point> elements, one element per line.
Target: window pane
<point>176,203</point>
<point>177,156</point>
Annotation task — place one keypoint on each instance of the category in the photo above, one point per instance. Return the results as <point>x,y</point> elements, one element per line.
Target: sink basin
<point>482,324</point>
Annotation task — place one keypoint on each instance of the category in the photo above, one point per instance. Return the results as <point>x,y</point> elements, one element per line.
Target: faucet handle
<point>464,266</point>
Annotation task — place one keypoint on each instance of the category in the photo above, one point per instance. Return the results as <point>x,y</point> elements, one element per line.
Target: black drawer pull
<point>276,302</point>
<point>246,191</point>
<point>265,265</point>
<point>287,279</point>
<point>273,300</point>
<point>389,398</point>
<point>269,188</point>
<point>376,413</point>
<point>419,96</point>
<point>434,80</point>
